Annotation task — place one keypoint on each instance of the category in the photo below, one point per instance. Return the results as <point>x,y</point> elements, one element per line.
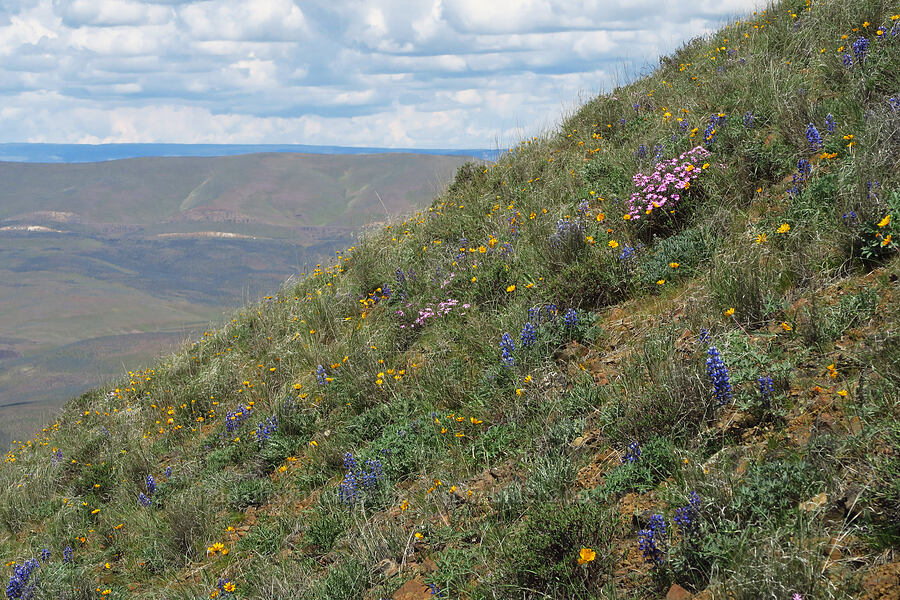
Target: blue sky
<point>387,73</point>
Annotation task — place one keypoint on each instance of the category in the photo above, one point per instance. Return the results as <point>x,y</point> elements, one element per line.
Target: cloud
<point>424,73</point>
<point>78,13</point>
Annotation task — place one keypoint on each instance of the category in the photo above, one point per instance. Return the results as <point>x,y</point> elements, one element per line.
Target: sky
<point>382,73</point>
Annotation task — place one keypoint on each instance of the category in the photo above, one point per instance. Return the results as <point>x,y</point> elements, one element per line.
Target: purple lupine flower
<point>860,48</point>
<point>813,137</point>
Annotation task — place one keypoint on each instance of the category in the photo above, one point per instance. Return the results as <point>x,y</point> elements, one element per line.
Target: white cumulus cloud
<point>395,73</point>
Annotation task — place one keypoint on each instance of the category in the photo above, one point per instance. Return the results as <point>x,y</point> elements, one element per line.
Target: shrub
<point>544,550</point>
<point>641,473</point>
<point>249,492</point>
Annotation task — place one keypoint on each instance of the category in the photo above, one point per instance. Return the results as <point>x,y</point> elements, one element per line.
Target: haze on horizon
<point>389,73</point>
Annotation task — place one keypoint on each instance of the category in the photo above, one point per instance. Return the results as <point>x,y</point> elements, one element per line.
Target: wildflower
<point>18,586</point>
<point>784,228</point>
<point>586,555</point>
<point>45,554</point>
<point>748,120</point>
<point>886,240</point>
<point>843,393</point>
<point>718,375</point>
<point>847,60</point>
<point>613,244</point>
<point>885,221</point>
<point>786,327</point>
<point>528,334</point>
<point>144,500</point>
<point>507,346</point>
<point>687,517</point>
<point>628,252</point>
<point>511,288</point>
<point>703,336</point>
<point>813,137</point>
<point>632,453</point>
<point>674,265</point>
<point>729,312</point>
<point>652,540</point>
<point>151,485</point>
<point>830,125</point>
<point>660,281</point>
<point>570,319</point>
<point>761,238</point>
<point>860,48</point>
<point>320,375</point>
<point>67,554</point>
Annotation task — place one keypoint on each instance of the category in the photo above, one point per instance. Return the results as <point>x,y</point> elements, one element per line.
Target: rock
<point>814,503</point>
<point>428,566</point>
<point>387,567</point>
<point>413,589</point>
<point>676,592</point>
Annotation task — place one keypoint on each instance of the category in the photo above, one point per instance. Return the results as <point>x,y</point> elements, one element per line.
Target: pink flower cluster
<point>666,184</point>
<point>430,311</point>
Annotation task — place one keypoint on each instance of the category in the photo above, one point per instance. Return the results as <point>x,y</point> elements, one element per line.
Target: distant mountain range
<point>76,153</point>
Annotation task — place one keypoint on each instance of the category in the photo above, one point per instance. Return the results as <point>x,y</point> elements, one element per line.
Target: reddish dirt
<point>882,583</point>
<point>414,589</point>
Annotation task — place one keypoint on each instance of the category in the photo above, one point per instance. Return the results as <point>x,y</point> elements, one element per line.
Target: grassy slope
<point>494,477</point>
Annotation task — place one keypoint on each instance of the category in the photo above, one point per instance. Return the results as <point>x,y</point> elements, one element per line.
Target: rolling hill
<point>105,265</point>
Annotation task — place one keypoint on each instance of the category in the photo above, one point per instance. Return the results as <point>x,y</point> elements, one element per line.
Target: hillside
<point>104,266</point>
<point>653,353</point>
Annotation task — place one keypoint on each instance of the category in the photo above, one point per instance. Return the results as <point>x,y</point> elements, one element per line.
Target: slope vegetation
<point>655,352</point>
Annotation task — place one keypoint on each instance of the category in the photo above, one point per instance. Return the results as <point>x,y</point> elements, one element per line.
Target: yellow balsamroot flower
<point>660,282</point>
<point>217,547</point>
<point>228,587</point>
<point>786,327</point>
<point>784,228</point>
<point>885,221</point>
<point>886,240</point>
<point>613,244</point>
<point>761,238</point>
<point>843,393</point>
<point>511,288</point>
<point>674,265</point>
<point>729,312</point>
<point>586,555</point>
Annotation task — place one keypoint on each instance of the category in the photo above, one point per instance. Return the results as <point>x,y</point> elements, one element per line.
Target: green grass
<point>496,475</point>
